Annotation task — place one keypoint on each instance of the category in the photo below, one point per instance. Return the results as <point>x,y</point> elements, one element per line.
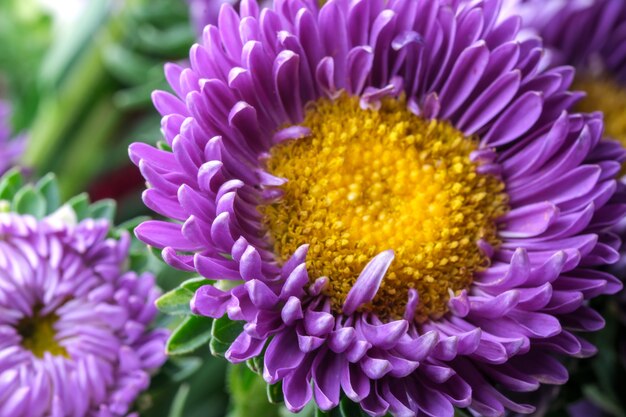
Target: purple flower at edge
<point>596,48</point>
<point>250,96</point>
<point>75,337</point>
<point>10,149</point>
<point>205,12</point>
<point>598,42</point>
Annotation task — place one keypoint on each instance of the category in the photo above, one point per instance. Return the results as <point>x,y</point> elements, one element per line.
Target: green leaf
<point>29,201</point>
<point>127,65</point>
<point>247,394</point>
<point>103,209</point>
<point>191,334</point>
<point>80,205</point>
<point>218,348</point>
<point>10,184</point>
<point>178,404</point>
<point>181,367</point>
<point>177,300</point>
<point>226,330</point>
<point>255,364</point>
<point>48,187</point>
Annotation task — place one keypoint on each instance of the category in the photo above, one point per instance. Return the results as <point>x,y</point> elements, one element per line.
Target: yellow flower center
<point>366,181</point>
<point>38,334</point>
<point>609,97</point>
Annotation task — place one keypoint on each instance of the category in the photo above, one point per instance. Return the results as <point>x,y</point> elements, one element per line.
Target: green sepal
<point>28,201</point>
<point>192,333</point>
<point>48,187</point>
<point>103,209</point>
<point>177,300</point>
<point>255,364</point>
<point>275,393</point>
<point>10,184</point>
<point>80,205</point>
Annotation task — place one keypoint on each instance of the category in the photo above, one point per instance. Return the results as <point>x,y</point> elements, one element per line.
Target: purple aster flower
<point>10,150</point>
<point>396,196</point>
<point>74,322</point>
<point>584,408</point>
<point>597,48</point>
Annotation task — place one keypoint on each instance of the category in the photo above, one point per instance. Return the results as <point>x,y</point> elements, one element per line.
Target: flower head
<point>407,210</point>
<point>74,321</point>
<point>10,149</point>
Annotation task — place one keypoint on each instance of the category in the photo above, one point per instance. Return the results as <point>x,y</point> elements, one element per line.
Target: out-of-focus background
<point>78,75</point>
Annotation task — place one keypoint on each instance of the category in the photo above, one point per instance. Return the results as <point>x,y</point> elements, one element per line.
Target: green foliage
<point>223,334</point>
<point>43,198</point>
<point>177,300</point>
<point>247,390</point>
<point>192,333</point>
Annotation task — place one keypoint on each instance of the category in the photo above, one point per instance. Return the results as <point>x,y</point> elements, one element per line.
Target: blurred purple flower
<point>597,44</point>
<point>273,84</point>
<point>591,36</point>
<point>10,149</point>
<point>75,340</point>
<point>205,12</point>
<point>584,408</point>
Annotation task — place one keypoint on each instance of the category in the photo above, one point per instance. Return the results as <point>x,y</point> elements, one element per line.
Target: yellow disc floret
<point>366,181</point>
<point>38,335</point>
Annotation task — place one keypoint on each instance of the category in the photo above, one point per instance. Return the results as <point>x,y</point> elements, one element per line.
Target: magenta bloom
<point>75,340</point>
<point>10,149</point>
<point>406,209</point>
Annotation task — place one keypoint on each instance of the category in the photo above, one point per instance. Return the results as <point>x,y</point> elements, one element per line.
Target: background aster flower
<point>393,87</point>
<point>596,49</point>
<point>10,150</point>
<point>75,340</point>
<point>204,12</point>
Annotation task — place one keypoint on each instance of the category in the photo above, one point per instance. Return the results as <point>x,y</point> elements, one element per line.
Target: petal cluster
<point>253,74</point>
<point>101,312</point>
